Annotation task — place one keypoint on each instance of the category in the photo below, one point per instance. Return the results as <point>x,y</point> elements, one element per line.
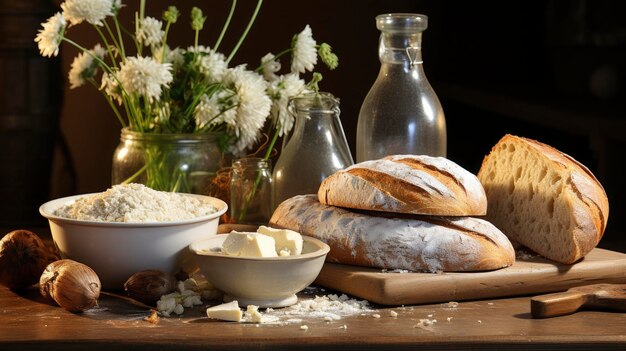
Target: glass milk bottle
<point>401,114</point>
<point>316,149</point>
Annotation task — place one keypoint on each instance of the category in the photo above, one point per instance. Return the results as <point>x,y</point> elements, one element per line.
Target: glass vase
<point>316,149</point>
<point>251,191</point>
<point>184,163</point>
<point>401,113</point>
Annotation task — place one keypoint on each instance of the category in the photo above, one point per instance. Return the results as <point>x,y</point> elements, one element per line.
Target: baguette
<point>544,199</point>
<point>425,244</point>
<point>406,184</point>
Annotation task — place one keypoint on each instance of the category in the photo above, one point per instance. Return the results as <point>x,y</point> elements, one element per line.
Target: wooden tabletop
<point>27,322</point>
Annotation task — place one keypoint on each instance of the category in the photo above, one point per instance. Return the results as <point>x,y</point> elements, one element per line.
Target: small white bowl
<point>260,281</point>
<point>117,250</point>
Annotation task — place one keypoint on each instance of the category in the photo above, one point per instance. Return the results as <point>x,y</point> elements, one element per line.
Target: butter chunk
<point>288,242</point>
<point>245,244</point>
<point>227,312</point>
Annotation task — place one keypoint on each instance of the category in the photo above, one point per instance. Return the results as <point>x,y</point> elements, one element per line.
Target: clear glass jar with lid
<point>401,114</point>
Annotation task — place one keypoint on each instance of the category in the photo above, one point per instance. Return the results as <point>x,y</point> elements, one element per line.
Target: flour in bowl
<point>136,203</point>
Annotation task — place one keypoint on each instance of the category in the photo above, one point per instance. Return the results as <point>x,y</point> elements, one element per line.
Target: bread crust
<point>416,243</point>
<point>585,196</point>
<point>406,184</point>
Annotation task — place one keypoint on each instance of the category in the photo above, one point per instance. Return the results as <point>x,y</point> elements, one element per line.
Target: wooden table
<point>28,322</point>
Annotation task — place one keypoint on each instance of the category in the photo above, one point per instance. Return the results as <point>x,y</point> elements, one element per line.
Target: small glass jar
<point>168,162</point>
<point>251,191</point>
<point>316,149</point>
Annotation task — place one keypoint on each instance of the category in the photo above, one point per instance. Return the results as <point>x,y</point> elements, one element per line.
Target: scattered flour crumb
<point>344,327</point>
<point>425,323</point>
<point>490,303</point>
<point>449,319</point>
<point>376,315</point>
<point>135,203</point>
<point>393,314</point>
<point>385,270</point>
<point>328,319</point>
<point>479,321</point>
<point>430,316</point>
<point>304,327</point>
<point>452,304</point>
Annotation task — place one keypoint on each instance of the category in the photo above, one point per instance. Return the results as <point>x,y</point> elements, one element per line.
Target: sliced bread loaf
<point>543,199</point>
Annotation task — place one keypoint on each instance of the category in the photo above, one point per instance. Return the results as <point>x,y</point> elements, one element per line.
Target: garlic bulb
<point>23,256</point>
<point>148,286</point>
<point>72,285</point>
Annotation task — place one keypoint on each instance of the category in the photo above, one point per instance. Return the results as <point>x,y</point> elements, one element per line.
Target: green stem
<point>136,174</point>
<point>226,25</point>
<point>120,38</point>
<point>245,33</point>
<point>106,42</point>
<point>110,101</point>
<point>112,36</point>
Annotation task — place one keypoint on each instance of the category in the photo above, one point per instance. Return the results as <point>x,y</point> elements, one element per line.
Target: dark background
<point>549,70</point>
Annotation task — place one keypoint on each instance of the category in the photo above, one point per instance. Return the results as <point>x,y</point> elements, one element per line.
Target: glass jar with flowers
<point>184,112</point>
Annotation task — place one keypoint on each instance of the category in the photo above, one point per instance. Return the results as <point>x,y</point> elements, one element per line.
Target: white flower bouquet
<point>153,88</point>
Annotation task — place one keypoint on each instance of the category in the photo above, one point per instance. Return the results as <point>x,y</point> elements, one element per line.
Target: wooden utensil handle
<point>557,304</point>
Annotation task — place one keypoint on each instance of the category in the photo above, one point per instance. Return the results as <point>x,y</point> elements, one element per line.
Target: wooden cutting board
<point>534,275</point>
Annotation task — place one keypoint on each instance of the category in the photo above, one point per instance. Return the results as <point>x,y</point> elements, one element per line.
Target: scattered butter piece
<point>227,312</point>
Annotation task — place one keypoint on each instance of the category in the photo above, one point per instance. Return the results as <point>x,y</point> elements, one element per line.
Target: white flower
<point>92,11</point>
<point>213,65</point>
<point>111,87</point>
<point>49,38</point>
<point>270,66</point>
<point>252,109</point>
<point>144,76</point>
<point>281,90</point>
<point>85,66</point>
<point>150,31</point>
<point>304,55</point>
<point>216,109</point>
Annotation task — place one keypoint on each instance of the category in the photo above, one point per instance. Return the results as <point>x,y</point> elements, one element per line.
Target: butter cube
<point>227,312</point>
<point>287,241</point>
<point>245,244</point>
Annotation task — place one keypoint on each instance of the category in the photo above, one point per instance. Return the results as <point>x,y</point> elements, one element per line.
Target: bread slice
<point>406,184</point>
<point>543,199</point>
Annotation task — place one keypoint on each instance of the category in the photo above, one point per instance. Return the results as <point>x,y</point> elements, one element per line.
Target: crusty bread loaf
<point>424,244</point>
<point>543,199</point>
<point>406,184</point>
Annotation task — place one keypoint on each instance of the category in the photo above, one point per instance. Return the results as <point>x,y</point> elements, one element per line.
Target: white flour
<point>136,203</point>
<point>326,307</point>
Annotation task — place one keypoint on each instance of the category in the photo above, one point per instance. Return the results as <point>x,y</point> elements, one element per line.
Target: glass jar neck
<point>400,48</point>
<point>251,163</point>
<point>401,37</point>
<point>128,135</point>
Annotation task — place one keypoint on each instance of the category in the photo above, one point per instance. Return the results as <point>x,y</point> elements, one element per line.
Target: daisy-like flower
<point>92,11</point>
<point>213,66</point>
<point>50,37</point>
<point>144,76</point>
<point>304,54</point>
<point>85,66</point>
<point>216,109</point>
<point>281,90</point>
<point>270,66</point>
<point>252,109</point>
<point>111,87</point>
<point>150,31</point>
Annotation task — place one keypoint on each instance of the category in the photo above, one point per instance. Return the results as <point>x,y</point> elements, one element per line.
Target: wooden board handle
<point>557,304</point>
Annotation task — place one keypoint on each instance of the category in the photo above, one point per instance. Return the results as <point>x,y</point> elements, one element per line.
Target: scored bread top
<point>406,184</point>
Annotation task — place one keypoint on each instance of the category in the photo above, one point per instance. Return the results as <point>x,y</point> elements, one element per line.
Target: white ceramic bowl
<point>264,281</point>
<point>116,250</point>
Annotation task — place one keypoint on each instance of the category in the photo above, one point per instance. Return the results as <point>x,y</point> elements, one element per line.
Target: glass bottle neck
<point>400,48</point>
